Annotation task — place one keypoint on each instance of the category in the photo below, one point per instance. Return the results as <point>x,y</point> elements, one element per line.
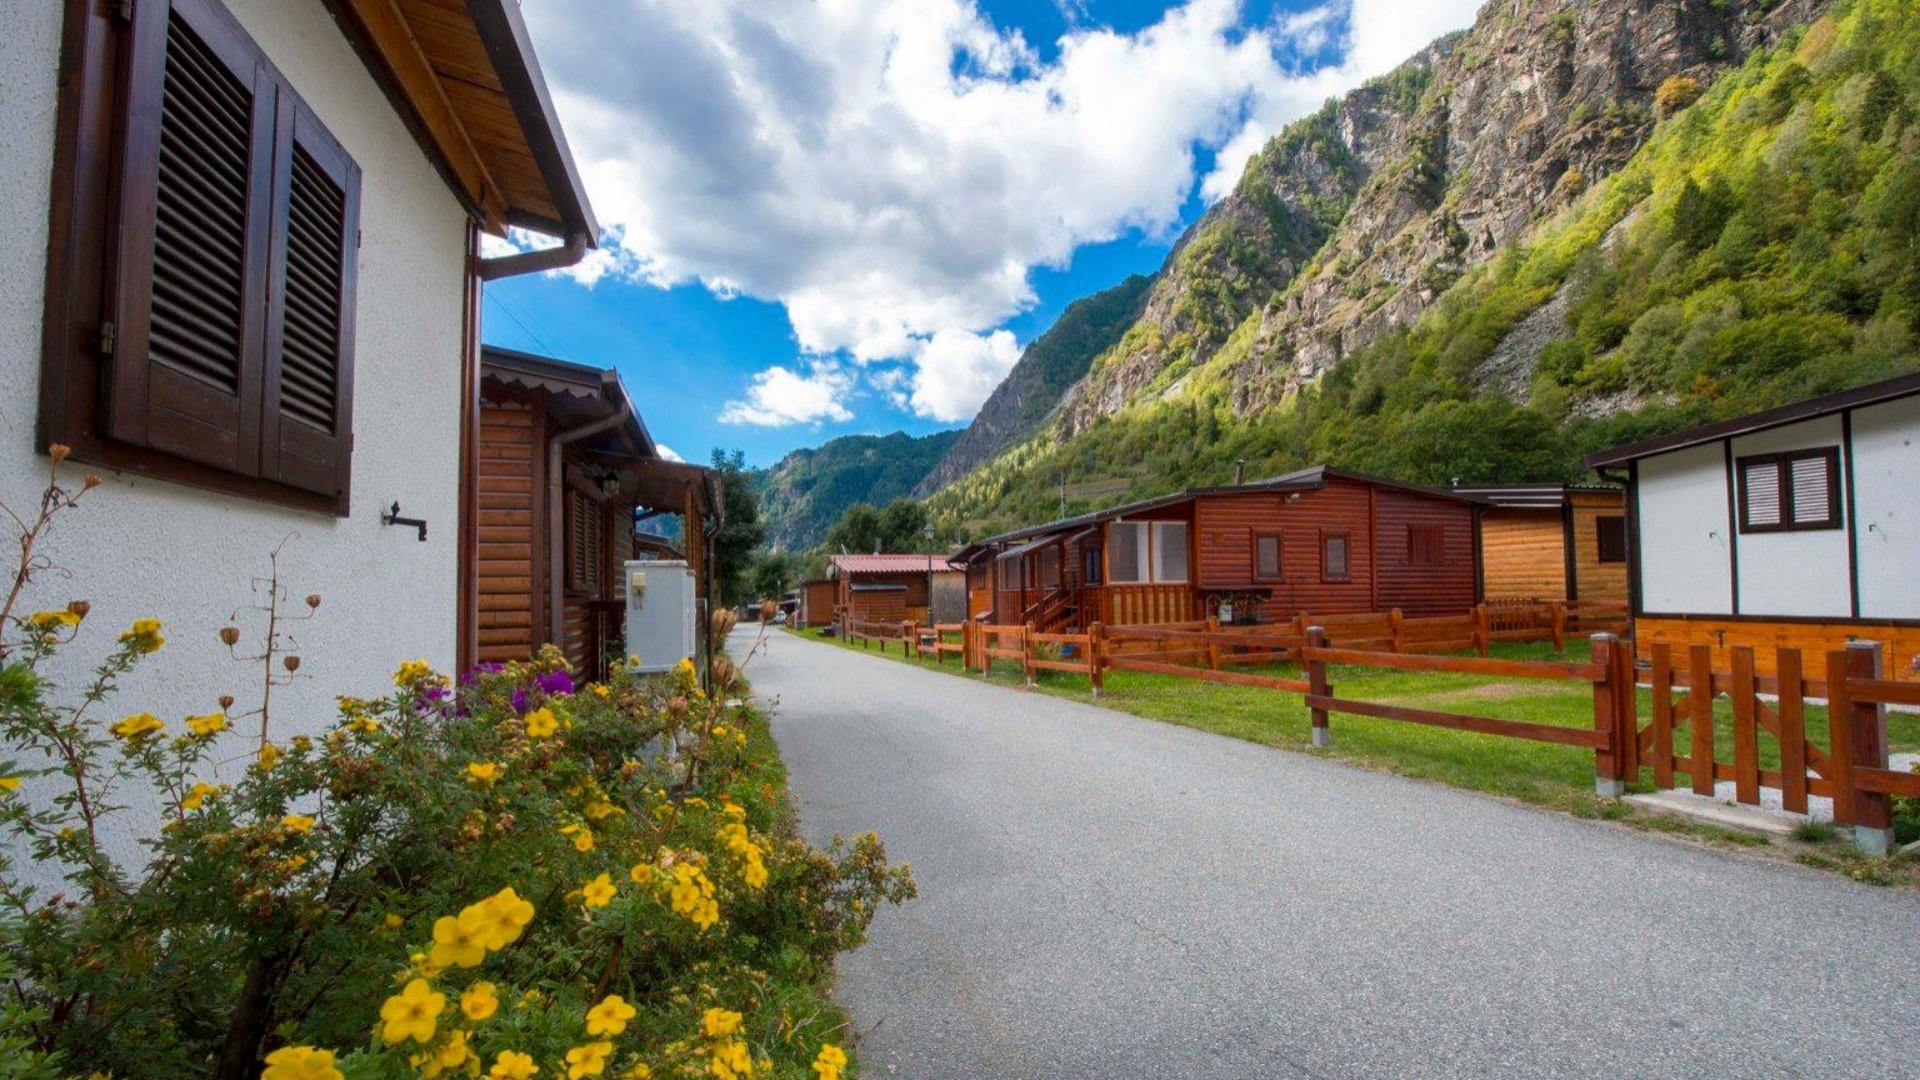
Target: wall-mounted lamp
<point>392,517</point>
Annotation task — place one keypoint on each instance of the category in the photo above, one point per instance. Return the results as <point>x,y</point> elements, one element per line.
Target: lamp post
<point>927,533</point>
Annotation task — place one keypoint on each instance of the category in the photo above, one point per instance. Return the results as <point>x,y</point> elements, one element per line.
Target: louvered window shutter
<point>1762,483</point>
<point>307,422</point>
<point>1813,494</point>
<point>189,273</point>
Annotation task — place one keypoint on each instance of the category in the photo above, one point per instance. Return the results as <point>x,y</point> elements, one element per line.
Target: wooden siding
<point>1524,554</point>
<point>1813,638</point>
<point>1416,588</point>
<point>816,606</point>
<point>890,605</point>
<point>504,559</point>
<point>1593,579</point>
<point>1224,547</point>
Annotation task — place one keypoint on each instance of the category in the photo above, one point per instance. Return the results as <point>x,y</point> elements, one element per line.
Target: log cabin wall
<point>1813,637</point>
<point>884,605</point>
<point>817,605</point>
<point>1593,579</point>
<point>1524,553</point>
<point>1424,561</point>
<point>511,580</point>
<point>1224,547</point>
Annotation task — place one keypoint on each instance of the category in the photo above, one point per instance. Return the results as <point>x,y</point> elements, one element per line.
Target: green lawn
<point>1540,773</point>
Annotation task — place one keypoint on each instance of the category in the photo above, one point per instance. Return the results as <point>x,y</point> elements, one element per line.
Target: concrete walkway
<point>1106,896</point>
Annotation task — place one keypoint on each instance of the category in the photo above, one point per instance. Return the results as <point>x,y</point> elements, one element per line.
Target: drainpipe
<point>557,517</point>
<point>533,262</point>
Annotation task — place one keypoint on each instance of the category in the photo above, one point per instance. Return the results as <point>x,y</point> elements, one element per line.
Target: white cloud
<point>892,170</point>
<point>668,452</point>
<point>954,371</point>
<point>780,396</point>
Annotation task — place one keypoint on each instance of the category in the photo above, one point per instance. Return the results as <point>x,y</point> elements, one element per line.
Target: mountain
<point>806,492</point>
<point>1578,222</point>
<point>1051,363</point>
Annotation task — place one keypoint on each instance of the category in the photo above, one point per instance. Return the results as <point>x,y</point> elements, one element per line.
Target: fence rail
<point>1681,736</point>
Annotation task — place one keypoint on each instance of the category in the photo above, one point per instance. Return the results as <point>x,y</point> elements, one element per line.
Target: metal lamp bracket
<point>392,517</point>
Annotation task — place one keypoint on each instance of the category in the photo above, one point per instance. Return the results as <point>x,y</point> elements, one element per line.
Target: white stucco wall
<point>1795,573</point>
<point>141,547</point>
<point>1683,553</point>
<point>1886,462</point>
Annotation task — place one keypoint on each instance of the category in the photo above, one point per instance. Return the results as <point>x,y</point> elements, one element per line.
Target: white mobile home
<point>1798,526</point>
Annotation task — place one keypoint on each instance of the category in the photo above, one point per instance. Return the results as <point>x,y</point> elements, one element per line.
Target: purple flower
<point>473,676</point>
<point>556,682</point>
<point>520,701</point>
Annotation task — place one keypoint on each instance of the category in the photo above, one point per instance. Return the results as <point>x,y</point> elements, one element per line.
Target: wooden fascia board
<point>387,30</point>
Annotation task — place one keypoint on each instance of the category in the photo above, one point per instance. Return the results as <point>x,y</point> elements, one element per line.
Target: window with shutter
<point>1611,537</point>
<point>1426,545</point>
<point>1266,557</point>
<point>222,252</point>
<point>1333,557</point>
<point>1795,490</point>
<point>586,534</point>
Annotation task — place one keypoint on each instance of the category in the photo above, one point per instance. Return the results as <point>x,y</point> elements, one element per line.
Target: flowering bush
<point>511,877</point>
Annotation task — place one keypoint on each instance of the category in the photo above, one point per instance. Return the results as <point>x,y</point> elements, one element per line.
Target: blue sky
<point>829,219</point>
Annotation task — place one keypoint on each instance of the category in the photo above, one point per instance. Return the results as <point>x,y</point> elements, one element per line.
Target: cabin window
<point>1799,489</point>
<point>1426,545</point>
<point>223,335</point>
<point>586,533</point>
<point>1127,552</point>
<point>1090,565</point>
<point>1170,552</point>
<point>1266,556</point>
<point>1333,558</point>
<point>1048,576</point>
<point>1611,532</point>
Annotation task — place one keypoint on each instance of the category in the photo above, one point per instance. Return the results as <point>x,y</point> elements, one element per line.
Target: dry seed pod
<point>230,635</point>
<point>313,600</point>
<point>80,608</point>
<point>292,663</point>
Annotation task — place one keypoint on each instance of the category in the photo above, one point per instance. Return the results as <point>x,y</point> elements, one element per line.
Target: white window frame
<point>1153,563</point>
<point>1147,564</point>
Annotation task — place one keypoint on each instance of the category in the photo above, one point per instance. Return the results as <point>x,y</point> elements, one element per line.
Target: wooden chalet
<point>817,601</point>
<point>1320,540</point>
<point>1552,541</point>
<point>885,588</point>
<point>566,472</point>
<point>1797,527</point>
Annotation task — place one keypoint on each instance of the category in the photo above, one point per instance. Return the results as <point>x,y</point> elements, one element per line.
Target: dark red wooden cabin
<point>1319,541</point>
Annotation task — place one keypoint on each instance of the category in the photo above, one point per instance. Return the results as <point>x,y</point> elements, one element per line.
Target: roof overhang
<point>463,76</point>
<point>1812,408</point>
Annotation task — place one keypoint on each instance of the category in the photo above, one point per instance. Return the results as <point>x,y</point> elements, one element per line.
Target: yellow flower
<point>364,724</point>
<point>513,1065</point>
<point>412,1013</point>
<point>599,690</point>
<point>754,870</point>
<point>297,823</point>
<point>137,726</point>
<point>449,1055</point>
<point>730,1060</point>
<point>582,836</point>
<point>9,783</point>
<point>598,893</point>
<point>640,1071</point>
<point>641,874</point>
<point>49,621</point>
<point>540,723</point>
<point>394,922</point>
<point>414,673</point>
<point>300,1063</point>
<point>720,1023</point>
<point>197,795</point>
<point>830,1061</point>
<point>588,1060</point>
<point>459,939</point>
<point>269,757</point>
<point>601,809</point>
<point>610,1016</point>
<point>143,636</point>
<point>692,896</point>
<point>502,917</point>
<point>208,724</point>
<point>479,1002</point>
<point>483,773</point>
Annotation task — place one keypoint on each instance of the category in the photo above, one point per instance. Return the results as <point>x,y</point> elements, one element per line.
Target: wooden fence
<point>934,641</point>
<point>863,631</point>
<point>1852,769</point>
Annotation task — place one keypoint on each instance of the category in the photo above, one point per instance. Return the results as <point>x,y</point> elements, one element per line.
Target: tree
<point>772,575</point>
<point>901,525</point>
<point>740,531</point>
<point>856,533</point>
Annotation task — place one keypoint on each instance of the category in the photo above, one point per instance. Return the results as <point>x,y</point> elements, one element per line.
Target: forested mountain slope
<point>806,492</point>
<point>1575,224</point>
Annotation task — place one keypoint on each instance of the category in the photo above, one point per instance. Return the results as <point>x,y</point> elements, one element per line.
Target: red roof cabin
<point>886,588</point>
<point>1320,541</point>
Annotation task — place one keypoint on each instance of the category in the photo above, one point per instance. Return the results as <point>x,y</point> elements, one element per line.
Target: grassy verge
<point>1541,774</point>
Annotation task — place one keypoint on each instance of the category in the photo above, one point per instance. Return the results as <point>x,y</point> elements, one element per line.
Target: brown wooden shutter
<point>307,429</point>
<point>1610,534</point>
<point>189,272</point>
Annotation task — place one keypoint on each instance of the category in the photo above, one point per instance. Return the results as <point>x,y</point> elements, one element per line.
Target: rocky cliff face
<point>1354,220</point>
<point>1051,363</point>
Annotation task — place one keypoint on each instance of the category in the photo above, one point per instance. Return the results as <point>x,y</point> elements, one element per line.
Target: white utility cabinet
<point>661,612</point>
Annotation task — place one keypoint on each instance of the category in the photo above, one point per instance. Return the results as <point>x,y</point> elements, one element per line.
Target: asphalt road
<point>1105,896</point>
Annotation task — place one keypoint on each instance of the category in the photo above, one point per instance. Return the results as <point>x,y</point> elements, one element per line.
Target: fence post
<point>1026,652</point>
<point>1872,812</point>
<point>1096,658</point>
<point>913,638</point>
<point>1317,686</point>
<point>1480,629</point>
<point>1609,779</point>
<point>1213,644</point>
<point>1394,619</point>
<point>1559,624</point>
